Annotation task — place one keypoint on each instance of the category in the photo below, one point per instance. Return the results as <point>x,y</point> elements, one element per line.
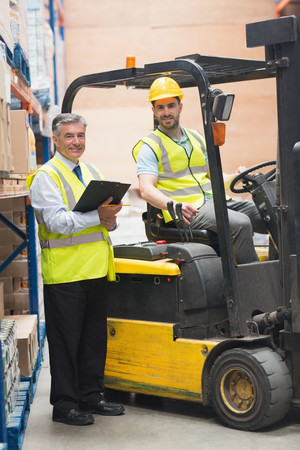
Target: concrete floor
<point>150,423</point>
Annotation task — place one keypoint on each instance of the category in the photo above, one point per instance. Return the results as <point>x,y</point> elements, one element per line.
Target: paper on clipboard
<point>97,191</point>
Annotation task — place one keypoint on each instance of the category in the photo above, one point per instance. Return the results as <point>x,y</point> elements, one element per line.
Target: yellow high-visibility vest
<point>84,255</point>
<point>181,177</point>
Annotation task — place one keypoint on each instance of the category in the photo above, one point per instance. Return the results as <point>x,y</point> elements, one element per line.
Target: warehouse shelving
<point>22,91</point>
<point>15,429</point>
<point>12,434</point>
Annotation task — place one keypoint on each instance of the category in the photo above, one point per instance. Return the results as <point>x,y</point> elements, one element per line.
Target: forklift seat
<point>157,229</point>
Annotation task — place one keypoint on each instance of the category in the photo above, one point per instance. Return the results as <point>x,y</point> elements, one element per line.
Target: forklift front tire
<point>250,388</point>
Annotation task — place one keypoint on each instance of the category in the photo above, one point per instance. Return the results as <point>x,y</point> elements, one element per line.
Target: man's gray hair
<point>66,118</point>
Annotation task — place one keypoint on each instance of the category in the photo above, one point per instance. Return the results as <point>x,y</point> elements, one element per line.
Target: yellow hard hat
<point>164,87</point>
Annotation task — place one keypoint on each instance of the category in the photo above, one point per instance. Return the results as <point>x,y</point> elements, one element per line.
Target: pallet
<point>18,419</point>
<point>32,379</point>
<point>21,64</point>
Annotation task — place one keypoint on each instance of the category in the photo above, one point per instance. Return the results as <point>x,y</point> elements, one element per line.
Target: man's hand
<point>108,213</point>
<point>228,178</point>
<point>155,197</point>
<point>188,212</point>
<point>240,169</point>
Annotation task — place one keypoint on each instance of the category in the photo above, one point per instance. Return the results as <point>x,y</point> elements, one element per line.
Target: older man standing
<point>77,261</point>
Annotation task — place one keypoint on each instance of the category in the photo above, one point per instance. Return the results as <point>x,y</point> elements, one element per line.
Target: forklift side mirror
<point>222,106</point>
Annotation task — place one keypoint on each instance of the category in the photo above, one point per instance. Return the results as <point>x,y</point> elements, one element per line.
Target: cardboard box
<point>12,204</point>
<point>17,268</point>
<point>6,251</point>
<point>5,137</point>
<point>27,341</point>
<point>19,218</point>
<point>7,186</point>
<point>5,30</point>
<point>17,301</point>
<point>8,283</point>
<point>20,284</point>
<point>9,303</point>
<point>22,255</point>
<point>9,237</point>
<point>24,159</point>
<point>4,78</point>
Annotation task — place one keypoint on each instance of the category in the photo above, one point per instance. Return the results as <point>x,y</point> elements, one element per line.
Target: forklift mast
<point>281,38</point>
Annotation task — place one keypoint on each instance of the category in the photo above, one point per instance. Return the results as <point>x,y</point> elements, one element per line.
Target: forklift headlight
<point>222,106</point>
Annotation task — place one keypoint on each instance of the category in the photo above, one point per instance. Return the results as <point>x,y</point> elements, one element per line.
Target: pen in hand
<point>116,205</point>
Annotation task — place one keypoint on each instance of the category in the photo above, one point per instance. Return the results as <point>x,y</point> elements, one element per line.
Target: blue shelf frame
<point>29,241</point>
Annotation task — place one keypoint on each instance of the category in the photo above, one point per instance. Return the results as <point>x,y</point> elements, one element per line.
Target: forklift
<point>186,322</point>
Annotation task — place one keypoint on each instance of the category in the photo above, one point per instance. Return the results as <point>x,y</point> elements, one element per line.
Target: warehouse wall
<point>100,34</point>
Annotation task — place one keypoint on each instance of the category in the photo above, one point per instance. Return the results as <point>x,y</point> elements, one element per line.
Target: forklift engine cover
<point>201,278</point>
<point>194,295</point>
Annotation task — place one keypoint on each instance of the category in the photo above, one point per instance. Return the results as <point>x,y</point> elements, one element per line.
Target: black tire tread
<point>280,385</point>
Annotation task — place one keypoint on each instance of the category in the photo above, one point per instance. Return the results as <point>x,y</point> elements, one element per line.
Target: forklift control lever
<point>170,206</point>
<point>180,217</point>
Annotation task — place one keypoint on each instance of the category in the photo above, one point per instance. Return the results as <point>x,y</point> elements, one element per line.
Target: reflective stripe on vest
<point>67,187</point>
<point>181,177</point>
<point>93,171</point>
<point>73,240</point>
<point>185,192</point>
<point>165,162</point>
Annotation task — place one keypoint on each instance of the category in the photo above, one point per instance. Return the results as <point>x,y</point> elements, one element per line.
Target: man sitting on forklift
<point>172,164</point>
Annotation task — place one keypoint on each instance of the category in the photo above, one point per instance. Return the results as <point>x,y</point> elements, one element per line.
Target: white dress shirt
<point>47,199</point>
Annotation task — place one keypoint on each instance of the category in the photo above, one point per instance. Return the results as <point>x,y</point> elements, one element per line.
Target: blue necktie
<point>78,174</point>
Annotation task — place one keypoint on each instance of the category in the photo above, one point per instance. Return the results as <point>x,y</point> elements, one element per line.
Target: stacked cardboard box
<point>10,363</point>
<point>24,156</point>
<point>5,132</point>
<point>5,31</point>
<point>15,275</point>
<point>27,341</point>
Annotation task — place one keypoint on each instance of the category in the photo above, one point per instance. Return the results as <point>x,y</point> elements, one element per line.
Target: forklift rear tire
<point>250,388</point>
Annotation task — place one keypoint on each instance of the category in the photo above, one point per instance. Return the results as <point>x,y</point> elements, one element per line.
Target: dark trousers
<point>76,316</point>
<point>243,217</point>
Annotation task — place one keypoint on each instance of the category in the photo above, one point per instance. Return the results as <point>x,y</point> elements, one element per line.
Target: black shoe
<point>73,417</point>
<point>104,408</point>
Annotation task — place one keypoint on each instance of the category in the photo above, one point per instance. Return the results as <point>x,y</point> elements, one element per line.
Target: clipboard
<point>97,191</point>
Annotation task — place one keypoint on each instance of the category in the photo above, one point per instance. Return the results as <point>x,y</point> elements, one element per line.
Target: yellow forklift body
<point>160,267</point>
<point>143,357</point>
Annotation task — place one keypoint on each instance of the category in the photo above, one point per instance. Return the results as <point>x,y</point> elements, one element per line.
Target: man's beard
<point>171,126</point>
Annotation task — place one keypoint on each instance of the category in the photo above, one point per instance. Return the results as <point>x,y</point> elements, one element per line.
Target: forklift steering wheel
<point>250,182</point>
